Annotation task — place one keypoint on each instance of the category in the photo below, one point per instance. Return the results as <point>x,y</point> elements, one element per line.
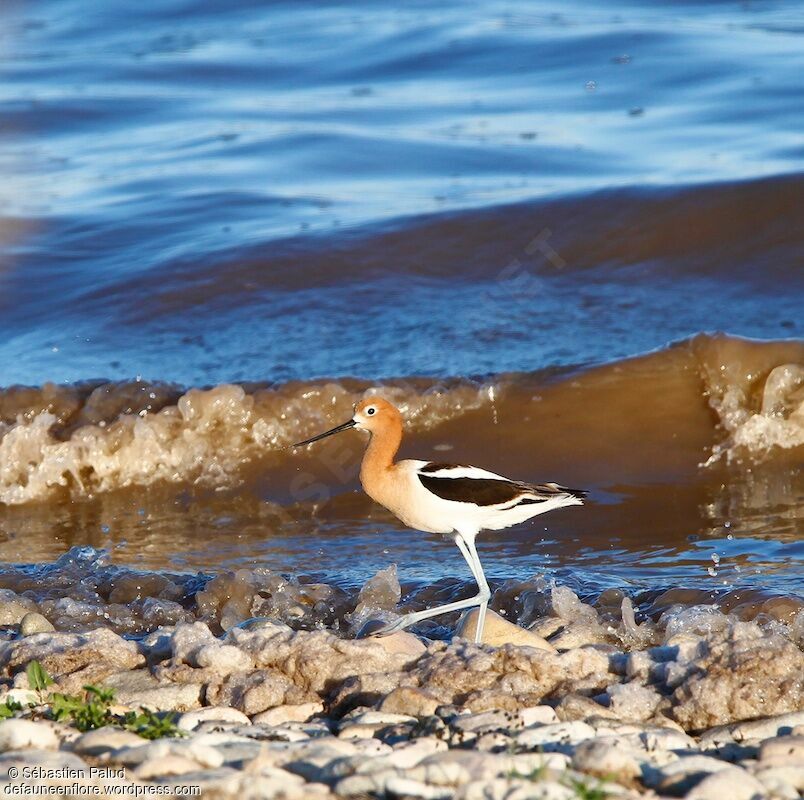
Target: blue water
<point>266,191</point>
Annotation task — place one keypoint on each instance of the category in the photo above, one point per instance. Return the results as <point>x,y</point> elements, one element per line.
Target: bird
<point>455,500</point>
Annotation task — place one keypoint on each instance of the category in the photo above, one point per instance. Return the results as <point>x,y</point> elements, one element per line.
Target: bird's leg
<point>467,547</point>
<point>481,599</point>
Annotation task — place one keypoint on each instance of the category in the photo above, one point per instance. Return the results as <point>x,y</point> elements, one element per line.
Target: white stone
<point>752,730</point>
<point>400,786</point>
<point>223,658</point>
<point>498,631</point>
<point>556,736</point>
<point>21,734</point>
<point>783,750</point>
<point>170,764</point>
<point>733,783</point>
<point>515,789</point>
<point>25,697</point>
<point>192,719</point>
<point>785,782</point>
<point>289,713</point>
<point>608,756</point>
<point>139,689</point>
<point>685,772</point>
<point>34,622</point>
<point>402,643</point>
<point>102,740</point>
<point>377,718</point>
<point>538,715</point>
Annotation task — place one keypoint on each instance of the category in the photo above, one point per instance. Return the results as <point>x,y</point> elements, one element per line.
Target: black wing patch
<point>433,467</point>
<point>479,491</point>
<point>489,491</point>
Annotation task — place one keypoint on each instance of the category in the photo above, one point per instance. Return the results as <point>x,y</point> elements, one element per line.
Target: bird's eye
<point>370,411</point>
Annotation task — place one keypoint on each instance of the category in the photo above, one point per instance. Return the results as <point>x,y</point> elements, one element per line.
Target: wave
<point>744,229</point>
<point>88,438</point>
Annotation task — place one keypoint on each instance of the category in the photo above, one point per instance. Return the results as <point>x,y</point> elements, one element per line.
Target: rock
<point>498,631</point>
<point>102,740</point>
<point>256,691</point>
<point>402,643</point>
<point>733,783</point>
<point>139,689</point>
<point>64,769</point>
<point>538,715</point>
<point>782,751</point>
<point>739,673</point>
<point>223,782</point>
<point>25,697</point>
<point>34,622</point>
<point>606,757</point>
<point>409,700</point>
<point>488,722</point>
<point>282,714</point>
<point>558,737</point>
<point>782,781</point>
<point>169,764</point>
<point>72,659</point>
<point>516,789</point>
<point>546,626</point>
<point>679,776</point>
<point>311,759</point>
<point>192,719</point>
<point>753,730</point>
<point>20,734</point>
<point>400,786</point>
<point>480,679</point>
<point>579,634</point>
<point>13,607</point>
<point>410,754</point>
<point>630,702</point>
<point>201,754</point>
<point>378,719</point>
<point>223,659</point>
<point>577,706</point>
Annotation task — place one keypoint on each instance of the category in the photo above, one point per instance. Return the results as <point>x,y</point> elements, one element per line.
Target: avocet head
<point>373,414</point>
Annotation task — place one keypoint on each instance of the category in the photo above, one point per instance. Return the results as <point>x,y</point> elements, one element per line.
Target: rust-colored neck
<point>382,448</point>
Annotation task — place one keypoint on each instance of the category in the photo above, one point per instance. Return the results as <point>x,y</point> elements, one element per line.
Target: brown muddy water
<point>220,228</point>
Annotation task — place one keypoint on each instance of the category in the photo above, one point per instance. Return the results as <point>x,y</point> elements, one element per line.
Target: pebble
<point>287,713</point>
<point>679,776</point>
<point>786,782</point>
<point>559,736</point>
<point>19,734</point>
<point>139,689</point>
<point>607,757</point>
<point>102,740</point>
<point>169,764</point>
<point>752,730</point>
<point>13,607</point>
<point>192,719</point>
<point>498,631</point>
<point>402,643</point>
<point>409,700</point>
<point>538,715</point>
<point>733,783</point>
<point>784,750</point>
<point>34,622</point>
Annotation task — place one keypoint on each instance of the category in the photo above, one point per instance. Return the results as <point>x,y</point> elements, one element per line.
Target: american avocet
<point>451,499</point>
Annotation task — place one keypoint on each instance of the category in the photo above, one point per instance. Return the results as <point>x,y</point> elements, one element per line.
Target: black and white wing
<point>460,483</point>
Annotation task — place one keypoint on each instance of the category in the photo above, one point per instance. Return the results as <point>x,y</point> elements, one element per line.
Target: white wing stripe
<point>473,473</point>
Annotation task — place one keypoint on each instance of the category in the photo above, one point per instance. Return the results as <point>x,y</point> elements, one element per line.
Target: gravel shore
<point>715,710</point>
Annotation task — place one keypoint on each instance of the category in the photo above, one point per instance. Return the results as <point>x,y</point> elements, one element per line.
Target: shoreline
<point>714,711</point>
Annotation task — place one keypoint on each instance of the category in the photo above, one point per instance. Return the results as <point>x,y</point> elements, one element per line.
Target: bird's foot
<point>376,628</point>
